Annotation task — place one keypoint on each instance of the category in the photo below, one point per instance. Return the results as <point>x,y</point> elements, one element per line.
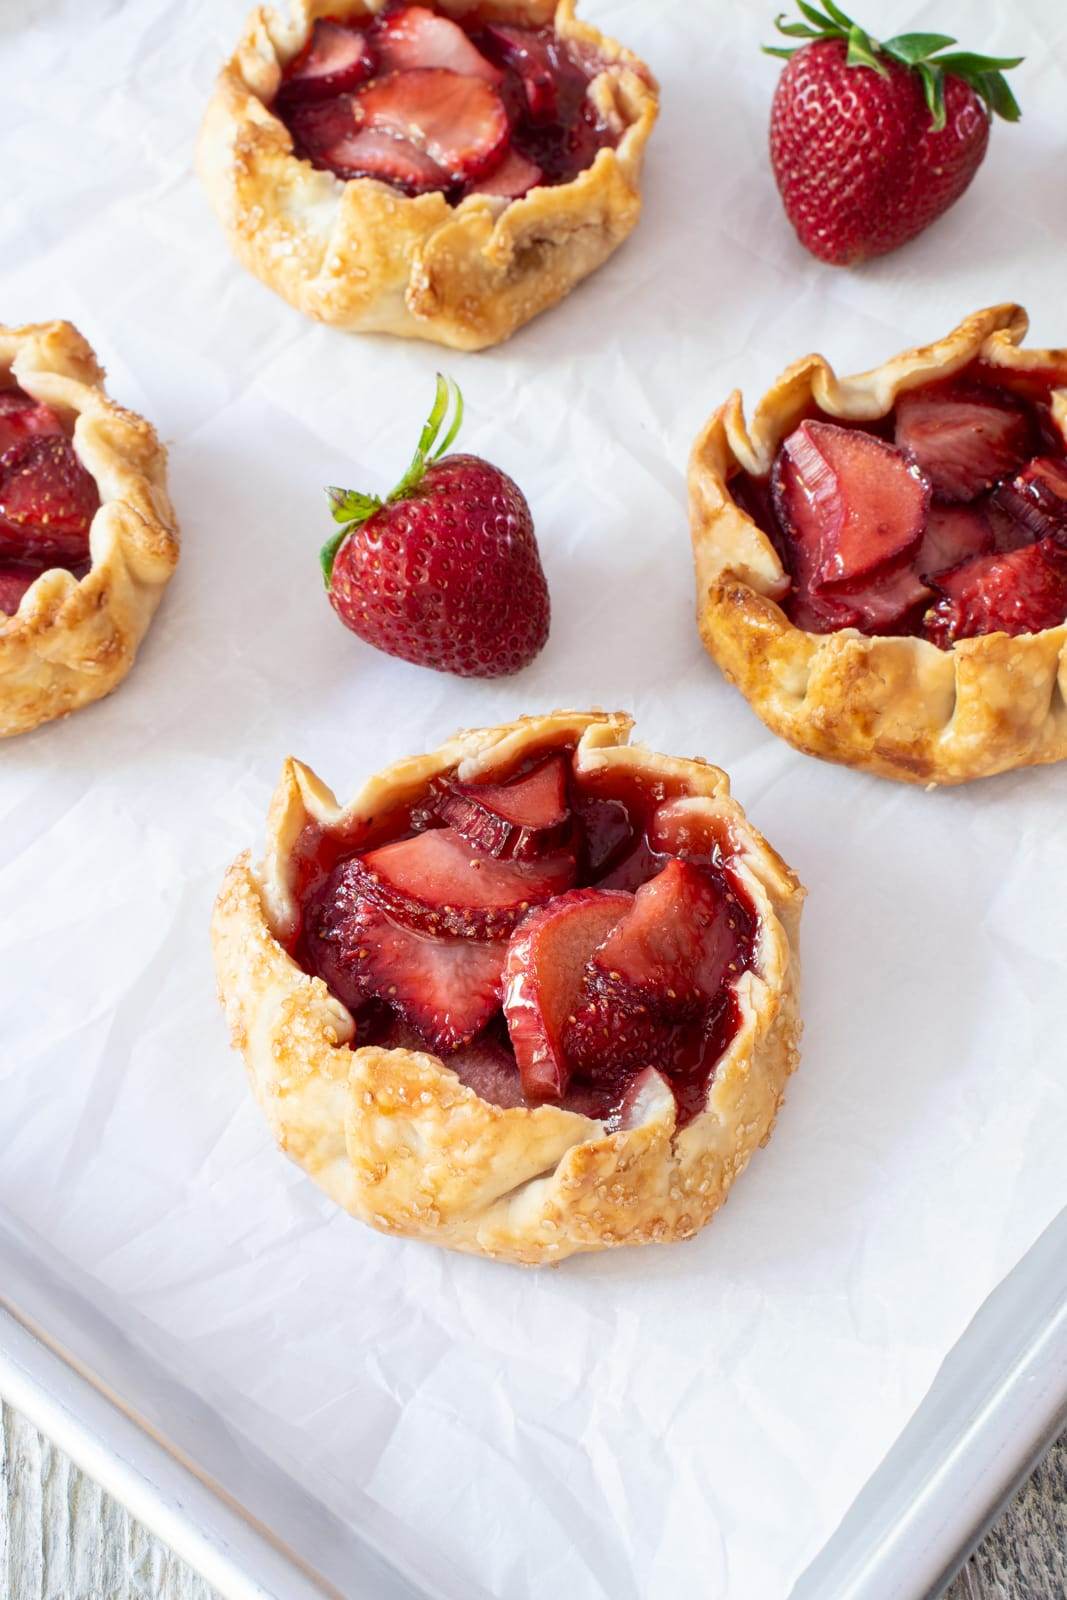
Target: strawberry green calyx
<point>928,54</point>
<point>351,508</point>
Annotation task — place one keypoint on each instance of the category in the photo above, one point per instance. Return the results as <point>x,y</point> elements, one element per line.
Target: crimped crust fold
<point>364,257</point>
<point>72,641</point>
<point>899,707</point>
<point>395,1138</point>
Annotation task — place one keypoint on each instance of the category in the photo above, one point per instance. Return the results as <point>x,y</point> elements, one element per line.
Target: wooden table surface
<point>62,1538</point>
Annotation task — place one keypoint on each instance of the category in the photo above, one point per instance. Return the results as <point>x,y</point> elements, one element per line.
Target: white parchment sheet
<point>692,1420</point>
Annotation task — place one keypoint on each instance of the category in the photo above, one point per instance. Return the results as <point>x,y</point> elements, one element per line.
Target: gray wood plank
<point>63,1538</point>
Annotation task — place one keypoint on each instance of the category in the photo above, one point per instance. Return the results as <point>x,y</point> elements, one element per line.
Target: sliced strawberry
<point>532,55</point>
<point>849,502</point>
<point>963,437</point>
<point>523,819</point>
<point>544,972</point>
<point>953,534</point>
<point>1024,591</point>
<point>446,988</point>
<point>14,581</point>
<point>514,177</point>
<point>336,59</point>
<point>438,883</point>
<point>47,502</point>
<point>460,123</point>
<point>675,948</point>
<point>611,1033</point>
<point>327,135</point>
<point>22,417</point>
<point>414,36</point>
<point>1037,497</point>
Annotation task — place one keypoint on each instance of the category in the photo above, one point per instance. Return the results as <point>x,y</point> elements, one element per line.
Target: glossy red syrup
<point>987,586</point>
<point>536,85</point>
<point>612,815</point>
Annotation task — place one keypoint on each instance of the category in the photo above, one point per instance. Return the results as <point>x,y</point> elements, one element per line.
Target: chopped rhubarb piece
<point>437,883</point>
<point>336,59</point>
<point>953,534</point>
<point>545,970</point>
<point>963,437</point>
<point>22,417</point>
<point>47,502</point>
<point>514,177</point>
<point>677,945</point>
<point>14,581</point>
<point>532,54</point>
<point>849,502</point>
<point>1037,498</point>
<point>887,604</point>
<point>414,36</point>
<point>448,989</point>
<point>1024,591</point>
<point>458,122</point>
<point>522,819</point>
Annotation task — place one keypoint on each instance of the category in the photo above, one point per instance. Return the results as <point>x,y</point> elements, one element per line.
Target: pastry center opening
<point>430,104</point>
<point>552,936</point>
<point>47,498</point>
<point>945,519</point>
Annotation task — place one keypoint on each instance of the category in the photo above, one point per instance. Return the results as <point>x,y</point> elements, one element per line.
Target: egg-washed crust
<point>395,1138</point>
<point>72,641</point>
<point>899,707</point>
<point>362,256</point>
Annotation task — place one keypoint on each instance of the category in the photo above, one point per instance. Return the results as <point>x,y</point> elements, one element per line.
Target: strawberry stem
<point>351,508</point>
<point>923,53</point>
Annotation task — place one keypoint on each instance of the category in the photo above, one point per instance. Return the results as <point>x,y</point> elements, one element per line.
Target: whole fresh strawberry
<point>870,142</point>
<point>445,571</point>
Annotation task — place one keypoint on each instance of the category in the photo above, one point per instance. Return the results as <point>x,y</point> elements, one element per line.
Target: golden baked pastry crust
<point>72,641</point>
<point>362,256</point>
<point>899,707</point>
<point>395,1138</point>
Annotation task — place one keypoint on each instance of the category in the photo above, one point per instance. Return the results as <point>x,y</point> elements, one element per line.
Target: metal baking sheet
<point>997,1403</point>
<point>180,1302</point>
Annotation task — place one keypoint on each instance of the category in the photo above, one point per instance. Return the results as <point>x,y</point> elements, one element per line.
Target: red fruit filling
<point>962,437</point>
<point>956,529</point>
<point>447,989</point>
<point>626,930</point>
<point>22,418</point>
<point>47,499</point>
<point>14,581</point>
<point>336,58</point>
<point>544,975</point>
<point>1023,591</point>
<point>849,503</point>
<point>522,819</point>
<point>427,103</point>
<point>437,883</point>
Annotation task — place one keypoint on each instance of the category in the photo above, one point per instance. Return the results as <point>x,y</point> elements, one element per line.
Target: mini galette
<point>88,539</point>
<point>439,171</point>
<point>531,994</point>
<point>881,561</point>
